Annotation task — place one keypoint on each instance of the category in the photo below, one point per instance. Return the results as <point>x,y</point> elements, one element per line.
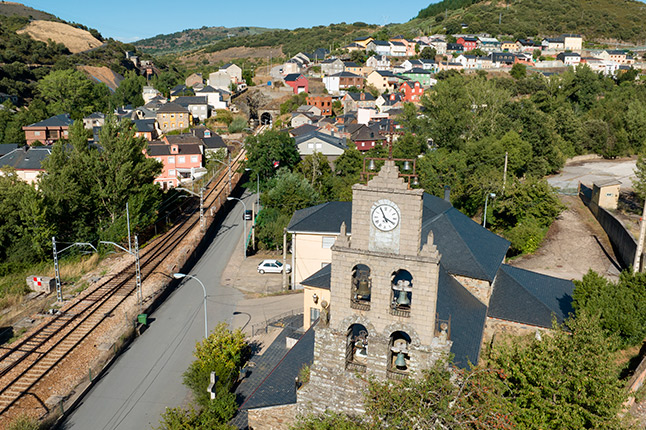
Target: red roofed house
<point>298,82</point>
<point>412,91</point>
<point>469,43</point>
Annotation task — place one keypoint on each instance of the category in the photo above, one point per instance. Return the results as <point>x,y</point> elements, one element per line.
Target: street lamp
<point>182,275</point>
<point>484,221</point>
<point>248,316</point>
<point>244,226</point>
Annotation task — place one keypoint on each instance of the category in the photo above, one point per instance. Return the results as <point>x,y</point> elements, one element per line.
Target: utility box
<point>142,319</point>
<point>606,193</point>
<point>42,284</point>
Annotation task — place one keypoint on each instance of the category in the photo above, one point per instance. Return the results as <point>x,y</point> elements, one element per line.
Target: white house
<point>380,47</point>
<point>379,62</point>
<point>214,97</point>
<point>220,80</point>
<point>234,71</point>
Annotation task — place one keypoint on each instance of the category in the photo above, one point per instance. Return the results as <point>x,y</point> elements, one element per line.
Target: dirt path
<point>575,243</point>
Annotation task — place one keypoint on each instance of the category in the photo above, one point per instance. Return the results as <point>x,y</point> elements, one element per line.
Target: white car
<point>273,266</point>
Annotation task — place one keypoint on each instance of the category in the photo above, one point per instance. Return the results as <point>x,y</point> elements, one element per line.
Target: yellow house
<point>172,116</point>
<point>606,193</point>
<point>363,41</point>
<point>509,46</point>
<point>314,230</point>
<point>383,80</point>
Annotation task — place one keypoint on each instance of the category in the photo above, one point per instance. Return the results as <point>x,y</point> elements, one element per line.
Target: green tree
<point>564,381</point>
<point>316,169</point>
<point>70,91</point>
<point>268,152</point>
<point>640,172</point>
<point>428,53</point>
<point>518,71</point>
<point>129,90</point>
<point>223,352</point>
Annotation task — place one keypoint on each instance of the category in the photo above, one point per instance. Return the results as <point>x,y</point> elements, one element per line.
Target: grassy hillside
<point>300,39</point>
<point>195,38</point>
<point>18,9</point>
<point>596,19</point>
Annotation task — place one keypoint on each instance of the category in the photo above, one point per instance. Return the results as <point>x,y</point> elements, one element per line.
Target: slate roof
<point>171,108</point>
<point>62,120</point>
<point>346,75</point>
<point>467,248</point>
<point>25,158</point>
<point>338,142</point>
<point>350,64</point>
<point>182,139</point>
<point>278,388</point>
<point>380,43</point>
<point>365,133</point>
<point>303,130</point>
<point>163,149</point>
<point>144,125</point>
<point>185,101</point>
<point>467,315</point>
<point>323,218</point>
<point>530,298</point>
<point>292,77</point>
<point>357,96</point>
<point>6,148</point>
<point>320,279</point>
<point>95,115</point>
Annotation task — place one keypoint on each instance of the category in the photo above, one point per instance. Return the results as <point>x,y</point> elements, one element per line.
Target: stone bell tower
<point>381,319</point>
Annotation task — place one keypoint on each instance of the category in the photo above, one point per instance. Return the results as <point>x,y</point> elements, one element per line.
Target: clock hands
<point>386,218</point>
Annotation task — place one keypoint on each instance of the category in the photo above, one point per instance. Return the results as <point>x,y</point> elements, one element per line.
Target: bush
<point>526,237</point>
<point>237,125</point>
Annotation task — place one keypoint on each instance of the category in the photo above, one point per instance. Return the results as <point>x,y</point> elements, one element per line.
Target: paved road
<point>148,377</point>
<point>593,171</point>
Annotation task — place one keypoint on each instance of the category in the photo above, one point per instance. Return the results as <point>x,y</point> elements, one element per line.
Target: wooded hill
<point>601,20</point>
<point>187,40</point>
<point>597,20</point>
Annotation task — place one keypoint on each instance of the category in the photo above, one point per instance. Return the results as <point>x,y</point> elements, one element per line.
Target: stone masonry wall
<point>480,289</point>
<point>272,418</point>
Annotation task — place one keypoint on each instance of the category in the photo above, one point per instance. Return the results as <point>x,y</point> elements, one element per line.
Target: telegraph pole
<point>140,293</point>
<point>640,242</point>
<point>57,274</point>
<point>504,173</point>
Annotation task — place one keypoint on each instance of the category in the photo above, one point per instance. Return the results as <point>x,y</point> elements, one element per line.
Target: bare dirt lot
<point>233,53</point>
<point>75,39</point>
<point>575,243</point>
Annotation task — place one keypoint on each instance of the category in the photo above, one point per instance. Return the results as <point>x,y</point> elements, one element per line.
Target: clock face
<point>385,217</point>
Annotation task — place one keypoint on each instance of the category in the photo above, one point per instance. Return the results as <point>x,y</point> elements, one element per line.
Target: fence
<point>281,320</point>
<point>623,242</point>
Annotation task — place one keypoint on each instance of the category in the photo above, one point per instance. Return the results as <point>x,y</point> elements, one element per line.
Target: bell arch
<point>356,350</point>
<point>361,287</point>
<point>398,365</point>
<point>401,296</point>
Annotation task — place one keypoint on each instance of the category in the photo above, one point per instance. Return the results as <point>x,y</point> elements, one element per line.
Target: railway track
<point>26,364</point>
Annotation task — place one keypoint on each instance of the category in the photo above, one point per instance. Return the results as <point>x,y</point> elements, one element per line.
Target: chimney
<point>447,193</point>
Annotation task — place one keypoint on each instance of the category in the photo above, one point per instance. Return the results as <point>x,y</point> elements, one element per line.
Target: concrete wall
<point>309,302</point>
<point>623,242</point>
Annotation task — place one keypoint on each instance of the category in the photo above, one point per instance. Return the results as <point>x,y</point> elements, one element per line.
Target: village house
<point>220,80</point>
<point>467,43</point>
<point>386,102</point>
<point>146,128</point>
<point>172,116</point>
<point>363,41</point>
<point>298,82</point>
<point>382,80</point>
<point>572,42</point>
<point>212,143</point>
<point>379,62</point>
<point>332,66</point>
<point>324,103</point>
<point>197,105</point>
<point>331,146</point>
<point>194,79</point>
<point>488,44</point>
<point>49,130</point>
<point>502,59</point>
<point>365,137</point>
<point>508,46</point>
<point>216,99</point>
<point>339,82</point>
<point>569,58</point>
<point>26,162</point>
<point>411,91</point>
<point>467,61</point>
<point>616,55</point>
<point>380,47</point>
<point>234,71</point>
<point>397,49</point>
<point>424,77</point>
<point>353,101</point>
<point>96,119</point>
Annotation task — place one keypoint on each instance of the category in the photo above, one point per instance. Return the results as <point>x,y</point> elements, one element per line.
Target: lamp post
<point>248,316</point>
<point>484,221</point>
<point>183,275</point>
<point>244,226</point>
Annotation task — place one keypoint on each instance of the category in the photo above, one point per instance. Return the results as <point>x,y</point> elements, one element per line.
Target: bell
<point>363,289</point>
<point>401,361</point>
<point>402,298</point>
<point>407,165</point>
<point>371,165</point>
<point>415,181</point>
